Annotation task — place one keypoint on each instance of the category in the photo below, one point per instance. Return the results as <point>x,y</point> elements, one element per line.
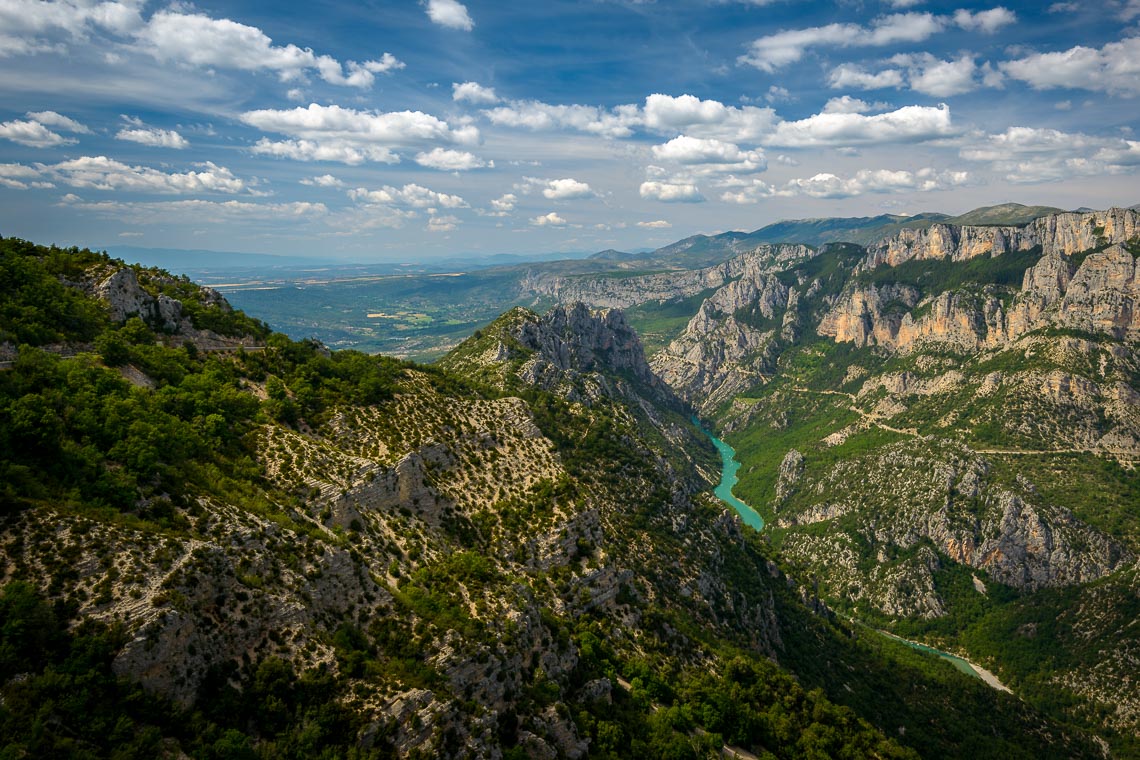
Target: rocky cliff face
<point>622,293</point>
<point>1064,234</point>
<point>1099,296</point>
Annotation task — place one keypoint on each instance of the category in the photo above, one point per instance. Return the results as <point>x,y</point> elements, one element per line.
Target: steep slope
<point>298,552</point>
<point>950,438</point>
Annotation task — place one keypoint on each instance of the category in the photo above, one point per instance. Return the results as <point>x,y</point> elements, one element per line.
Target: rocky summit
<point>220,542</point>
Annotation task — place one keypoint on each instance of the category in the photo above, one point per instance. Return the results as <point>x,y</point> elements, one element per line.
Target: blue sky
<point>407,130</point>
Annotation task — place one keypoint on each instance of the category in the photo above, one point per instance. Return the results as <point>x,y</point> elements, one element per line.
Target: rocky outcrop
<point>721,353</point>
<point>869,315</point>
<point>1063,234</point>
<point>624,292</point>
<point>126,298</point>
<point>1102,296</point>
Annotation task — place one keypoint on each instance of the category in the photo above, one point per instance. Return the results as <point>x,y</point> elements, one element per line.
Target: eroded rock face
<point>939,493</point>
<point>1063,234</point>
<point>621,293</point>
<point>720,355</point>
<point>1101,296</point>
<point>126,298</point>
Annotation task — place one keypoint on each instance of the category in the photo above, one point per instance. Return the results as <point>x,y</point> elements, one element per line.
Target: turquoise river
<point>728,469</point>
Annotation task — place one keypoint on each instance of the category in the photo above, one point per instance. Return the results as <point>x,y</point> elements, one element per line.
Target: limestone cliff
<point>1065,234</point>
<point>624,292</point>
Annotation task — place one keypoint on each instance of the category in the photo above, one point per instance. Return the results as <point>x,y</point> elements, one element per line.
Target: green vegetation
<point>932,276</point>
<point>659,322</point>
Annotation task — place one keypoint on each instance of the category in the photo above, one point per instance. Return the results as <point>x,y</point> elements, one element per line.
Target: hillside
<point>943,429</point>
<point>224,543</point>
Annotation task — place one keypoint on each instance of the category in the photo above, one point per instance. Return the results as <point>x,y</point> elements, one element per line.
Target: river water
<point>723,491</point>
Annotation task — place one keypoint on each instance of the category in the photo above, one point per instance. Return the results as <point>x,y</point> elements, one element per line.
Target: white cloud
<point>324,180</point>
<point>907,124</point>
<point>941,79</point>
<point>413,196</point>
<point>451,160</point>
<point>710,155</point>
<point>849,75</point>
<point>196,211</point>
<point>659,224</point>
<point>777,94</point>
<point>548,220</point>
<point>1031,154</point>
<point>20,177</point>
<point>442,223</point>
<point>536,115</point>
<point>199,40</point>
<point>451,14</point>
<point>671,192</point>
<point>158,138</point>
<point>846,104</point>
<point>332,133</point>
<point>1114,68</point>
<point>1064,7</point>
<point>103,173</point>
<point>504,204</point>
<point>986,22</point>
<point>863,182</point>
<point>778,50</point>
<point>33,134</point>
<point>786,160</point>
<point>340,151</point>
<point>473,92</point>
<point>59,121</point>
<point>706,118</point>
<point>76,18</point>
<point>566,189</point>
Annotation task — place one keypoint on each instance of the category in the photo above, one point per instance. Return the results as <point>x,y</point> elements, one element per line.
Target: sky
<point>403,131</point>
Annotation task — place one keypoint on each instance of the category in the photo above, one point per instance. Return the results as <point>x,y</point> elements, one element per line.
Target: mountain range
<point>223,542</point>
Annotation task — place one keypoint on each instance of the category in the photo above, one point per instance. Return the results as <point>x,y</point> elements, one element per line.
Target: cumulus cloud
<point>451,160</point>
<point>848,75</point>
<point>199,40</point>
<point>59,121</point>
<point>103,173</point>
<point>907,124</point>
<point>333,133</point>
<point>709,155</point>
<point>777,50</point>
<point>828,185</point>
<point>158,138</point>
<point>671,192</point>
<point>1033,154</point>
<point>33,134</point>
<point>324,180</point>
<point>441,223</point>
<point>566,189</point>
<point>659,224</point>
<point>548,220</point>
<point>451,14</point>
<point>412,196</point>
<point>75,18</point>
<point>20,177</point>
<point>938,78</point>
<point>504,204</point>
<point>536,115</point>
<point>1114,68</point>
<point>706,118</point>
<point>846,104</point>
<point>473,92</point>
<point>986,22</point>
